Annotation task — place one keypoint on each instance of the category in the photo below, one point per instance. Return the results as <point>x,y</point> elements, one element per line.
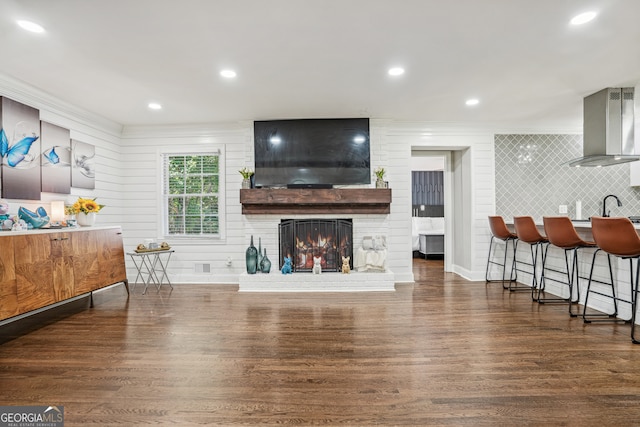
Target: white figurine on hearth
<point>346,269</point>
<point>317,268</point>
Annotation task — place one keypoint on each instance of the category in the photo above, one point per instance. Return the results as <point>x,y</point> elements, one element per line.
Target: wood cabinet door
<point>111,257</point>
<point>86,267</point>
<point>8,282</point>
<point>98,259</point>
<point>34,271</point>
<point>44,270</point>
<point>62,265</point>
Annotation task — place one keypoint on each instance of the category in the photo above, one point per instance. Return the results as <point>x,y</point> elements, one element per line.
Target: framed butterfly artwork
<point>83,169</point>
<point>55,158</point>
<point>19,150</point>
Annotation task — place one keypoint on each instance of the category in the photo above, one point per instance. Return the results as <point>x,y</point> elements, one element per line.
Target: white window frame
<point>163,199</point>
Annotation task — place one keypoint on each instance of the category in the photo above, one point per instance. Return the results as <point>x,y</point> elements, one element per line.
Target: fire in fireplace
<point>304,239</point>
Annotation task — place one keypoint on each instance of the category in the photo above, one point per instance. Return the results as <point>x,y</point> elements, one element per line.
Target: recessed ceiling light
<point>154,106</point>
<point>583,18</point>
<point>396,71</point>
<point>472,101</point>
<point>30,26</point>
<point>229,74</point>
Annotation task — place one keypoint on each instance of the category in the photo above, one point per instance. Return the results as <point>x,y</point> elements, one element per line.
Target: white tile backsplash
<point>538,188</point>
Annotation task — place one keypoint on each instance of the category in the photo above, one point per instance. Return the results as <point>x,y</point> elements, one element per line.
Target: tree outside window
<point>191,194</point>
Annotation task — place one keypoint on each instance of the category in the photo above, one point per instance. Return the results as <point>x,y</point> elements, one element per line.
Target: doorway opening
<point>427,205</point>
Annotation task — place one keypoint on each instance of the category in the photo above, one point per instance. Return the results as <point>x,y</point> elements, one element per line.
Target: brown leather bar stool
<point>500,231</point>
<point>562,234</point>
<point>527,232</point>
<point>617,237</point>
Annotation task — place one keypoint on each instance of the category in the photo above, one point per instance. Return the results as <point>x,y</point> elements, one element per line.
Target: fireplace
<point>304,239</point>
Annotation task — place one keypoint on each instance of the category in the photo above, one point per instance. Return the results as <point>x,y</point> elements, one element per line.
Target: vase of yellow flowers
<point>380,178</point>
<point>246,177</point>
<point>86,210</point>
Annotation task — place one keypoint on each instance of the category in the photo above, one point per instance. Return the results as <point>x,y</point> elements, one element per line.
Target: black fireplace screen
<point>304,239</point>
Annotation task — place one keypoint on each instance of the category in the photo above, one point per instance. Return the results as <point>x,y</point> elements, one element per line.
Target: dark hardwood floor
<point>441,352</point>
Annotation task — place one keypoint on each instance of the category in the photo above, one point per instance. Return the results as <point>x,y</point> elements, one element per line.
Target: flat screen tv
<point>311,152</point>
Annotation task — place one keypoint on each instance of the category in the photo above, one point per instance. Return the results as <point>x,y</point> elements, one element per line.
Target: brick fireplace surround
<point>264,225</point>
<point>326,239</point>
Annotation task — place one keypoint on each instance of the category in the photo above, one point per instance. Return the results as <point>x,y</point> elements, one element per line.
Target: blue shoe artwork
<point>35,219</point>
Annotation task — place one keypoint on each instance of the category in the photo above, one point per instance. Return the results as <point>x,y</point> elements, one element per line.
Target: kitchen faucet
<point>604,204</point>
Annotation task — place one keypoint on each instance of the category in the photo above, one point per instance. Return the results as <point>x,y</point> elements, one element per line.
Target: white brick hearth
<point>266,228</point>
<point>308,282</point>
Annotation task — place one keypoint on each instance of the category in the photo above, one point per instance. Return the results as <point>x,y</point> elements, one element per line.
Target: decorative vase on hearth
<point>252,258</point>
<point>266,263</point>
<point>259,266</point>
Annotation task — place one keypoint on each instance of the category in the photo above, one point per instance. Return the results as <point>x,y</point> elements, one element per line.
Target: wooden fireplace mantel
<point>262,201</point>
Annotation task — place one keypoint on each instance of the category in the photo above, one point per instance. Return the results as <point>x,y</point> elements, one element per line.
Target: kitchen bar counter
<point>556,263</point>
<point>583,228</point>
<point>587,224</point>
<point>582,224</point>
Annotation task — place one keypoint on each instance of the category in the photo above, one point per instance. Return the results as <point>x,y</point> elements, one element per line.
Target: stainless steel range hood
<point>608,137</point>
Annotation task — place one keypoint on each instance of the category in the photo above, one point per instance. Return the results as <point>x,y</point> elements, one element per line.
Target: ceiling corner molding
<point>189,130</point>
<point>21,92</point>
<point>414,128</point>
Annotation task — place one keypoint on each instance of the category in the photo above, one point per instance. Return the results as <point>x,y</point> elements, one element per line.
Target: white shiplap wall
<point>142,148</point>
<point>391,146</point>
<point>395,155</point>
<point>128,175</point>
<point>470,207</point>
<point>142,194</point>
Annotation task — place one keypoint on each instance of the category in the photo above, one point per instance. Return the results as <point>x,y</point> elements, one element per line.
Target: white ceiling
<point>323,58</point>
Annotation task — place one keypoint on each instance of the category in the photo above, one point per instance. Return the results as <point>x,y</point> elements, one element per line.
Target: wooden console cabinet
<point>42,267</point>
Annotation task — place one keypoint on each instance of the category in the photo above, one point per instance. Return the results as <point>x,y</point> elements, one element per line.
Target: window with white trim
<point>191,194</point>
